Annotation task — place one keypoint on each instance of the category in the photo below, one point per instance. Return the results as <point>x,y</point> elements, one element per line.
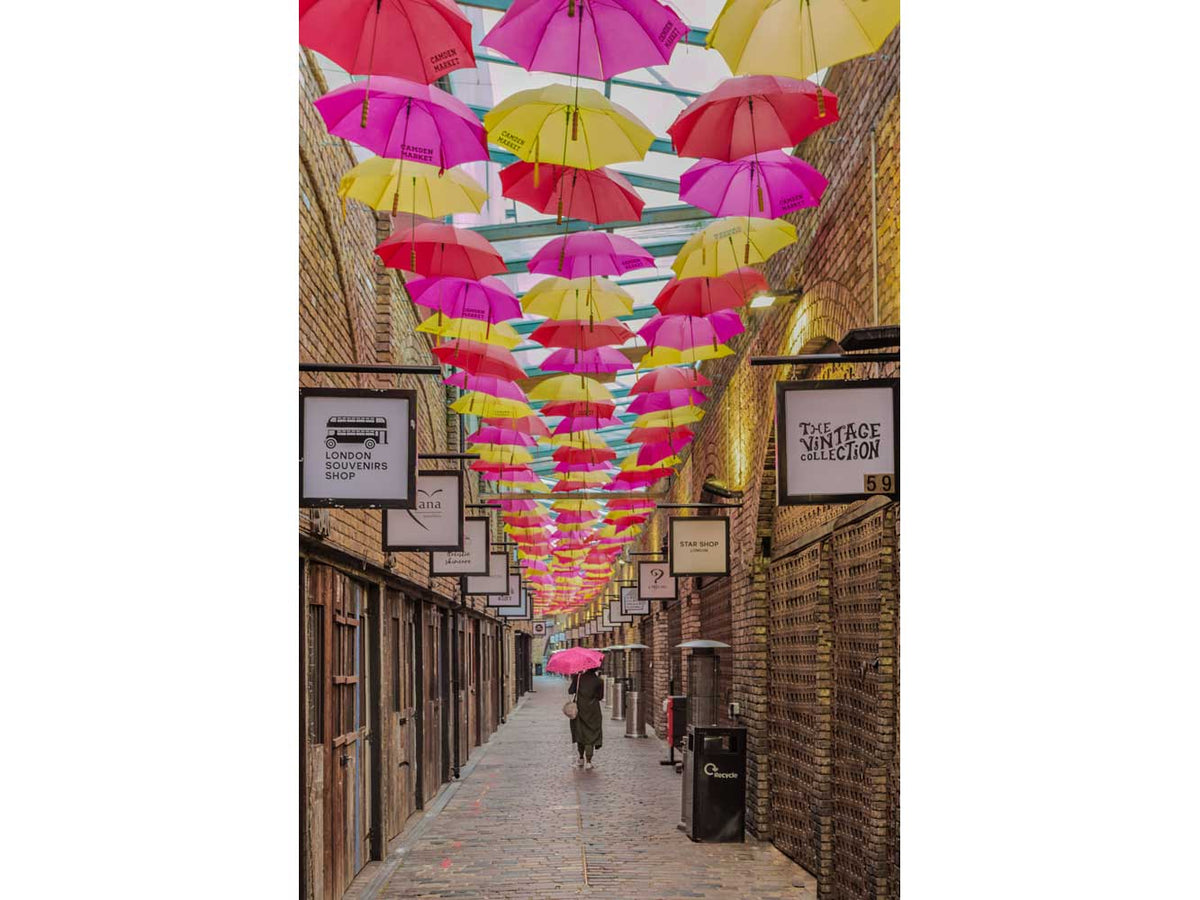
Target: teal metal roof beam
<point>620,82</point>
<point>547,228</point>
<point>649,182</point>
<point>658,251</point>
<point>695,36</point>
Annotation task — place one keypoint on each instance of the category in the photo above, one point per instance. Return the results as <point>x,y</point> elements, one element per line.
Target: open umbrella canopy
<point>577,298</point>
<point>480,359</point>
<point>500,436</point>
<point>573,424</point>
<point>669,379</point>
<point>431,248</point>
<point>669,417</point>
<point>598,360</point>
<point>686,332</point>
<point>580,453</point>
<point>507,455</point>
<point>420,40</point>
<point>406,121</point>
<point>479,404</point>
<point>798,38</point>
<point>665,400</point>
<point>531,425</point>
<point>594,39</point>
<point>649,454</point>
<point>499,333</point>
<point>489,299</point>
<point>769,185</point>
<point>588,253</point>
<point>679,434</point>
<point>570,387</point>
<point>730,243</point>
<point>594,195</point>
<point>411,187</point>
<point>668,356</point>
<point>576,127</point>
<point>581,335</point>
<point>579,408</point>
<point>702,296</point>
<point>488,384</point>
<point>744,116</point>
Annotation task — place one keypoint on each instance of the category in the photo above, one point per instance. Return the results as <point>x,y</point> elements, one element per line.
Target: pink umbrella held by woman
<point>574,660</point>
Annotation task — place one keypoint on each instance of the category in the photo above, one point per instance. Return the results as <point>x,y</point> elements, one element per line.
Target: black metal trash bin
<point>537,668</point>
<point>714,784</point>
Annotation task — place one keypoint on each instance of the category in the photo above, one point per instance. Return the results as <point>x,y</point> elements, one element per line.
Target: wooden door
<point>400,705</point>
<point>463,706</point>
<point>431,714</point>
<point>338,726</point>
<point>444,693</point>
<point>476,694</point>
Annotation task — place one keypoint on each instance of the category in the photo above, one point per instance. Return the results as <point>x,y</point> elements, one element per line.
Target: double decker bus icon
<point>365,430</point>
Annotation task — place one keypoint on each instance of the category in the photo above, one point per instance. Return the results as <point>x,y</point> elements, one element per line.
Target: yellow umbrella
<point>501,453</point>
<point>580,440</point>
<point>499,333</point>
<point>486,406</point>
<point>575,526</point>
<point>730,243</point>
<point>669,356</point>
<point>590,298</point>
<point>631,465</point>
<point>584,477</point>
<point>798,38</point>
<point>576,127</point>
<point>668,418</point>
<point>571,387</point>
<point>533,487</point>
<point>576,505</point>
<point>411,187</point>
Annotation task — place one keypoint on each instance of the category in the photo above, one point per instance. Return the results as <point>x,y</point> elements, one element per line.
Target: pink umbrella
<point>592,38</point>
<point>417,39</point>
<point>531,425</point>
<point>599,360</point>
<point>488,384</point>
<point>659,400</point>
<point>579,408</point>
<point>572,424</point>
<point>669,378</point>
<point>770,185</point>
<point>517,505</point>
<point>649,454</point>
<point>579,467</point>
<point>701,296</point>
<point>594,195</point>
<point>685,332</point>
<point>411,121</point>
<point>590,253</point>
<point>495,434</point>
<point>488,300</point>
<point>571,516</point>
<point>743,116</point>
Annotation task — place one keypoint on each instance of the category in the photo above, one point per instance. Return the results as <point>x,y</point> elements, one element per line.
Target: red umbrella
<point>579,408</point>
<point>669,378</point>
<point>581,335</point>
<point>420,40</point>
<point>747,115</point>
<point>659,433</point>
<point>702,296</point>
<point>595,195</point>
<point>576,454</point>
<point>530,425</point>
<point>649,454</point>
<point>480,359</point>
<point>431,248</point>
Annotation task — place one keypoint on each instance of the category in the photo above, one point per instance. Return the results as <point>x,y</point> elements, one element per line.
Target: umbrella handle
<point>820,103</point>
<point>575,124</point>
<point>366,103</point>
<point>559,221</point>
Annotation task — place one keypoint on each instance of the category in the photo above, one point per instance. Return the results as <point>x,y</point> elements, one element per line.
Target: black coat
<point>587,727</point>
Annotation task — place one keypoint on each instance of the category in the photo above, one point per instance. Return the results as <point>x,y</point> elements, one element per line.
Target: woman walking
<point>587,726</point>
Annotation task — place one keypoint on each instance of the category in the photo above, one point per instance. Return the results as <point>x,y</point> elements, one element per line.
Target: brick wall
<point>830,265</point>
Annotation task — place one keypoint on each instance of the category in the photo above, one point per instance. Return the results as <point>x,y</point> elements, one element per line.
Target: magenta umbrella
<point>652,453</point>
<point>489,384</point>
<point>587,362</point>
<point>588,253</point>
<point>571,424</point>
<point>574,660</point>
<point>495,434</point>
<point>591,38</point>
<point>769,185</point>
<point>488,300</point>
<point>660,400</point>
<point>410,121</point>
<point>686,332</point>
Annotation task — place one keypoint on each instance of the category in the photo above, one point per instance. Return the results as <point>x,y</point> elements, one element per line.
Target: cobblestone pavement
<point>523,823</point>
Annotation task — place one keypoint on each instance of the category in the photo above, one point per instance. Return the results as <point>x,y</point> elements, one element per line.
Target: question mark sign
<point>658,574</point>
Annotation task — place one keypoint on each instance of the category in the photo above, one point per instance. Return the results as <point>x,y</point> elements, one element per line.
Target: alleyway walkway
<point>522,823</point>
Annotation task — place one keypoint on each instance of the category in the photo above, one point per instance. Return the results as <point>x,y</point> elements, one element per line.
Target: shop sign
<point>436,522</point>
<point>616,616</point>
<point>511,598</point>
<point>632,604</point>
<point>494,583</point>
<point>699,545</point>
<point>358,448</point>
<point>473,558</point>
<point>838,441</point>
<point>655,582</point>
<point>523,610</point>
<point>539,629</point>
